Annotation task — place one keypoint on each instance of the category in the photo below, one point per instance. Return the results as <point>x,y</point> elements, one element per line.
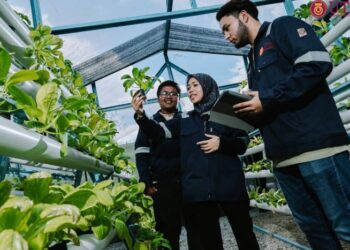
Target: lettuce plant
<point>139,79</point>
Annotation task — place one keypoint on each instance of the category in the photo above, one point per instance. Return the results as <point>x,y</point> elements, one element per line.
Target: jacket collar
<point>262,31</point>
<point>159,116</point>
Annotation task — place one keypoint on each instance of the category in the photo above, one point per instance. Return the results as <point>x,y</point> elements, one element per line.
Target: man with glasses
<point>159,167</point>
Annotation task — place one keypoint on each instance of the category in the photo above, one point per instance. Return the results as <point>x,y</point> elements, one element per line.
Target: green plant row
<point>49,214</point>
<point>259,166</point>
<point>75,121</point>
<point>272,197</point>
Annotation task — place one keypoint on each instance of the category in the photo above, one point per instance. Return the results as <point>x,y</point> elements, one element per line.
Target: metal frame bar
<point>94,90</point>
<point>168,66</point>
<point>145,19</point>
<point>289,6</point>
<point>179,69</point>
<point>36,13</point>
<point>160,71</point>
<point>194,4</point>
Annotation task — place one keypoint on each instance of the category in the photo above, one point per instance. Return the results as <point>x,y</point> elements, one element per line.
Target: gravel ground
<point>282,225</point>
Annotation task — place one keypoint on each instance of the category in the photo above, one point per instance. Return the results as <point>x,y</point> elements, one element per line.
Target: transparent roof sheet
<point>77,11</point>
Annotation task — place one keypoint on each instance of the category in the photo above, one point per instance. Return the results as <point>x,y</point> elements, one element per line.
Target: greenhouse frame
<point>67,160</point>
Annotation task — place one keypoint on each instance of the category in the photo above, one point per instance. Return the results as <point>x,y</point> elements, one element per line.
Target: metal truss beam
<point>36,13</point>
<point>288,5</point>
<point>178,69</point>
<point>144,19</point>
<point>193,4</point>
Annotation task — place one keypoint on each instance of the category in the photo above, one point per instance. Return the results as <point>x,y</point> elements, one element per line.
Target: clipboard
<point>222,112</point>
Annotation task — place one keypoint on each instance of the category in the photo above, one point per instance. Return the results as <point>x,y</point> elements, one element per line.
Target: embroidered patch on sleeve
<point>301,32</point>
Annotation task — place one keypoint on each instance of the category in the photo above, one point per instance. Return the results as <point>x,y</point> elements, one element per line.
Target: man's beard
<point>242,35</point>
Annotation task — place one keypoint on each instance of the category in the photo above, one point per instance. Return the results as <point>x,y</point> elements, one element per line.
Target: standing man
<point>300,124</point>
<point>159,167</point>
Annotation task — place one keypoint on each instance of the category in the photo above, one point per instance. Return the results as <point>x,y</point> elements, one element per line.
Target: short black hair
<point>168,83</point>
<point>233,7</point>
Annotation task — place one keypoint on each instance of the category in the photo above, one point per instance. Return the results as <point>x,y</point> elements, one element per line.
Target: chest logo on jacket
<point>266,46</point>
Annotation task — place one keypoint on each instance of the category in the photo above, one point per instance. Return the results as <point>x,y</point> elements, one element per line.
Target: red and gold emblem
<point>318,8</point>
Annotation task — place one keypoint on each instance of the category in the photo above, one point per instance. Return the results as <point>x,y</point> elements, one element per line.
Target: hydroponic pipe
<point>339,71</point>
<point>341,96</point>
<point>40,165</point>
<point>20,142</point>
<point>336,32</point>
<point>254,150</point>
<point>345,116</point>
<point>14,21</point>
<point>280,237</point>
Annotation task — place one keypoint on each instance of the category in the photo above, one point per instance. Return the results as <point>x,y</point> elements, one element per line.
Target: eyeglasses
<point>168,94</point>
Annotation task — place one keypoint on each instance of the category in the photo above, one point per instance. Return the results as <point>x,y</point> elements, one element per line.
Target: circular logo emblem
<point>318,8</point>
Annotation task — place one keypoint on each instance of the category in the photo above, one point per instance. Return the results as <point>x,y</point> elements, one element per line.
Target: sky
<point>81,46</point>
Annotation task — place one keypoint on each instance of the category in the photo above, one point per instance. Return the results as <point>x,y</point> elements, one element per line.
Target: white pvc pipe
<point>14,21</point>
<point>339,71</point>
<point>9,37</point>
<point>40,165</point>
<point>20,142</point>
<point>345,116</point>
<point>261,174</point>
<point>89,241</point>
<point>336,32</point>
<point>342,96</point>
<point>283,209</point>
<point>254,150</point>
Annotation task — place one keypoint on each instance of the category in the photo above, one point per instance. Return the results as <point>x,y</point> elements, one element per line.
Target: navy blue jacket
<point>155,160</point>
<point>288,66</point>
<point>217,176</point>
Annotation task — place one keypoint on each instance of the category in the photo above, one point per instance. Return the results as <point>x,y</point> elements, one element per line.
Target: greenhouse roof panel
<point>182,37</point>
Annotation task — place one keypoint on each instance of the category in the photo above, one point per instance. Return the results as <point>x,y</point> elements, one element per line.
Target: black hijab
<point>210,92</point>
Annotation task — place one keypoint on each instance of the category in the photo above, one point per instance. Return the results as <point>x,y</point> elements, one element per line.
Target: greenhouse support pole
<point>246,63</point>
<point>288,5</point>
<point>94,90</point>
<point>179,69</point>
<point>170,72</point>
<point>4,166</point>
<point>194,4</point>
<point>77,178</point>
<point>160,71</point>
<point>36,13</point>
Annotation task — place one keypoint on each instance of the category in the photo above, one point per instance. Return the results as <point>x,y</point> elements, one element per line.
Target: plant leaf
<point>21,76</point>
<point>104,227</point>
<point>22,98</point>
<point>104,197</point>
<point>5,63</point>
<point>47,99</point>
<point>43,76</point>
<point>82,198</point>
<point>12,240</point>
<point>36,186</point>
<point>5,190</point>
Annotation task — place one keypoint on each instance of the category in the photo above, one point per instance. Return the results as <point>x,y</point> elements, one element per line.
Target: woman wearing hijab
<point>211,172</point>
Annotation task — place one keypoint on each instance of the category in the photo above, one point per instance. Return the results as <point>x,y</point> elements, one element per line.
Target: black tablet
<point>222,112</point>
